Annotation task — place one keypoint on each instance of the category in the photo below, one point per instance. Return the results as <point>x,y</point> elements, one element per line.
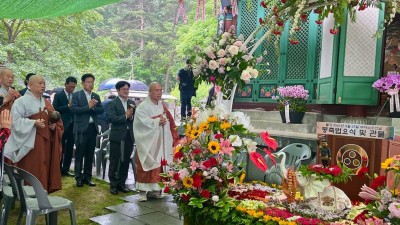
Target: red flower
<point>334,31</point>
<point>196,151</point>
<point>166,189</point>
<point>361,173</point>
<point>185,198</point>
<point>317,11</point>
<point>258,161</point>
<point>269,140</point>
<point>378,182</point>
<point>197,179</point>
<point>361,217</point>
<point>297,28</point>
<point>164,162</point>
<point>210,163</point>
<point>205,193</point>
<point>362,7</point>
<point>277,32</point>
<point>261,21</point>
<point>176,176</point>
<point>283,1</point>
<point>304,17</point>
<point>335,170</point>
<point>294,41</point>
<point>279,23</point>
<point>319,22</point>
<point>178,155</point>
<point>263,4</point>
<point>218,136</point>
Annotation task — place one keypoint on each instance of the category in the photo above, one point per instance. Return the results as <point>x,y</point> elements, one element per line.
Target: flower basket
<point>295,117</point>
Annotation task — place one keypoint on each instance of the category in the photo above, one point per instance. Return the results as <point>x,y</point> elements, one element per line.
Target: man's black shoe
<point>123,189</point>
<point>68,174</point>
<point>113,191</point>
<point>89,182</point>
<point>79,183</point>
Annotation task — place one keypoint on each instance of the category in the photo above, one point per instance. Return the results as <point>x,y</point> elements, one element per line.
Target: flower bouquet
<point>390,85</point>
<point>224,63</point>
<point>383,199</point>
<point>206,161</point>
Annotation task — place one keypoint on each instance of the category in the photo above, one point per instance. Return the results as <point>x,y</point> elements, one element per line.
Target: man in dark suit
<point>22,92</point>
<point>120,114</point>
<point>62,103</point>
<point>86,105</point>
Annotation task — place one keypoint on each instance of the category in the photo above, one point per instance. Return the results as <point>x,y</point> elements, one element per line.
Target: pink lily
<point>369,193</point>
<point>226,146</point>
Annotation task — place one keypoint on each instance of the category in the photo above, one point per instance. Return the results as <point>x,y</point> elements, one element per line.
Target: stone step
<point>279,126</point>
<point>309,117</point>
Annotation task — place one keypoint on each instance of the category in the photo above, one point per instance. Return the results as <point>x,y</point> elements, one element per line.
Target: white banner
<point>355,130</point>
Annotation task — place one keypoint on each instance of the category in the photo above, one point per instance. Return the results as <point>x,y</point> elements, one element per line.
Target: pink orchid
<point>226,147</point>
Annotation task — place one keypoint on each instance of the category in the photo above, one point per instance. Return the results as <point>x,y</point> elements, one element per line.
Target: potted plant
<point>390,85</point>
<point>292,103</point>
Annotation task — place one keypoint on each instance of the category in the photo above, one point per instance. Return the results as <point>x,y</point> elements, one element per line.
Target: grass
<point>89,202</point>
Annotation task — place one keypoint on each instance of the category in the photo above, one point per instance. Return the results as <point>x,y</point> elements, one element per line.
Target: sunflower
<point>178,148</point>
<point>187,182</point>
<point>225,125</point>
<point>212,119</point>
<point>204,126</point>
<point>188,130</point>
<point>386,164</point>
<point>214,147</point>
<point>195,133</point>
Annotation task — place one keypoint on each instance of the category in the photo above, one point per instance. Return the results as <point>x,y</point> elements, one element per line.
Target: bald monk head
<point>6,78</point>
<point>37,85</point>
<point>155,92</point>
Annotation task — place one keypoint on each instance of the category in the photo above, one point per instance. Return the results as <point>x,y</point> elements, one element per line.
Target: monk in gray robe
<point>35,144</point>
<point>7,93</point>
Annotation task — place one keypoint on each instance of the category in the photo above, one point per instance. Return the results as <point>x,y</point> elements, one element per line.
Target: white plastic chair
<point>294,154</point>
<point>42,204</point>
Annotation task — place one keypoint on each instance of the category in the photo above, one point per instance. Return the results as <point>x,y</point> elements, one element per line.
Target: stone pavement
<point>133,212</point>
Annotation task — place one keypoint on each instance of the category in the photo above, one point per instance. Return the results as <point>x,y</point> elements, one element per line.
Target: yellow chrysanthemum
<point>187,182</point>
<point>214,147</point>
<point>178,148</point>
<point>386,164</point>
<point>204,126</point>
<point>225,125</point>
<point>188,130</point>
<point>241,178</point>
<point>195,133</point>
<point>212,119</point>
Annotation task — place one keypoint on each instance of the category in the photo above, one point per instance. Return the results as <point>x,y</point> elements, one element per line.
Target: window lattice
<point>272,57</point>
<point>297,55</point>
<point>318,52</point>
<point>248,18</point>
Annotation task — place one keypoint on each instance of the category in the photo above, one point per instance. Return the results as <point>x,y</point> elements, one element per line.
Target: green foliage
<point>201,94</point>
